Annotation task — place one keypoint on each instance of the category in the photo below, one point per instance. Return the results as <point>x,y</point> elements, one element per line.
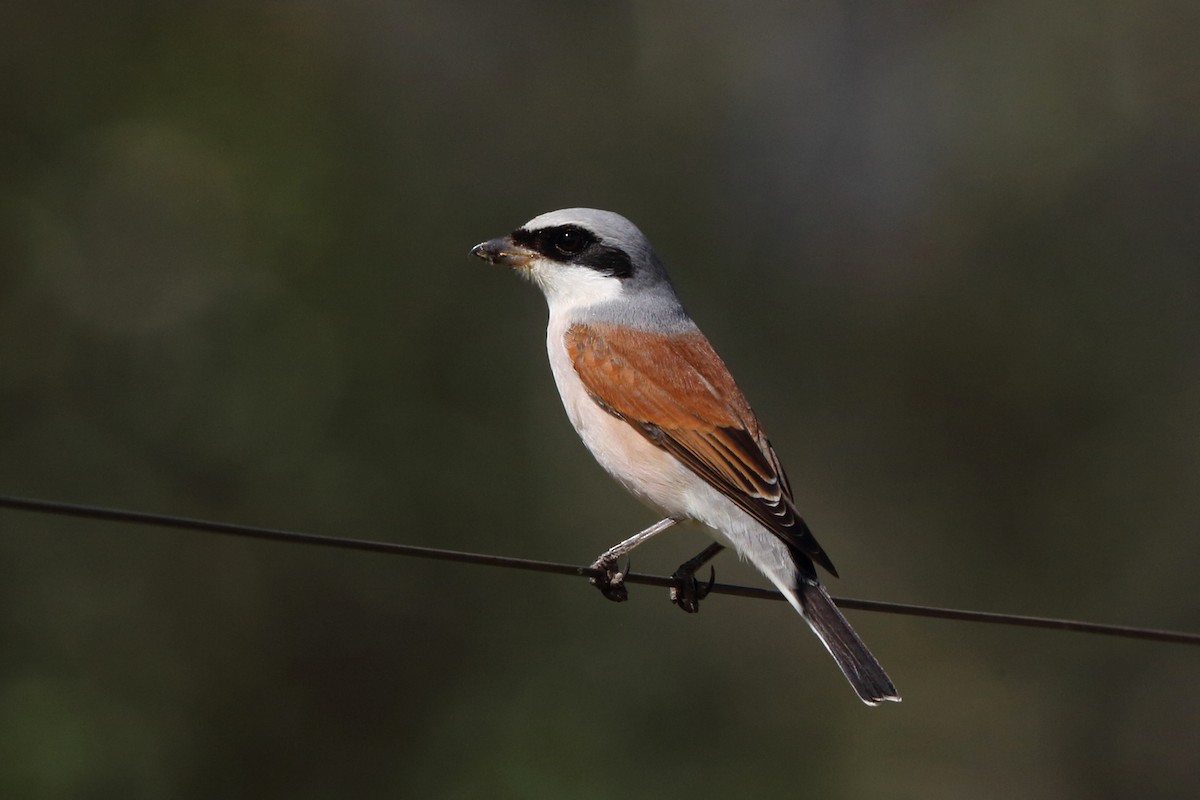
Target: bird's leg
<point>611,582</point>
<point>687,592</point>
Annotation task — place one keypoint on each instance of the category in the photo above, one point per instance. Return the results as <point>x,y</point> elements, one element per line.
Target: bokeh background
<point>949,249</point>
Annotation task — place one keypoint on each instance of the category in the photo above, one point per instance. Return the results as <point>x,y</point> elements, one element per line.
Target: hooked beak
<point>504,252</point>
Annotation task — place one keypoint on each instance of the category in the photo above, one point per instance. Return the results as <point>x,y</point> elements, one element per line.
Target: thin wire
<point>532,565</point>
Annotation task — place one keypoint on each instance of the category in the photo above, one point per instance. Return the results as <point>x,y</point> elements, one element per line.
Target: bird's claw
<point>687,592</point>
<point>611,580</point>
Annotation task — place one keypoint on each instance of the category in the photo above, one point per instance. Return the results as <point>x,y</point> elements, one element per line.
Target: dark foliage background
<point>949,249</point>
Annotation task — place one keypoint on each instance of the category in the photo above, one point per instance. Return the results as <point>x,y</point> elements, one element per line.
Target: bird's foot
<point>687,592</point>
<point>611,580</point>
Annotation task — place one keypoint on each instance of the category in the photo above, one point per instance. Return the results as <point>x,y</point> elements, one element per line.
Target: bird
<point>658,409</point>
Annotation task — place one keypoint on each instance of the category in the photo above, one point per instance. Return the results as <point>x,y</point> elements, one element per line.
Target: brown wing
<point>676,391</point>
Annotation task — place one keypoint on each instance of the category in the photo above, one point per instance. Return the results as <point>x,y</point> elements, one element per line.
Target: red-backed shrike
<point>658,409</point>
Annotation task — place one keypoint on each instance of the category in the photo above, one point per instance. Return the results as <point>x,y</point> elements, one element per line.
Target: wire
<point>508,562</point>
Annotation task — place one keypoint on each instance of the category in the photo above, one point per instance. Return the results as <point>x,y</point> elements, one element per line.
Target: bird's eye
<point>569,242</point>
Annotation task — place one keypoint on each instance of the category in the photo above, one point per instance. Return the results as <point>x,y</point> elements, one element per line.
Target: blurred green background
<point>949,249</point>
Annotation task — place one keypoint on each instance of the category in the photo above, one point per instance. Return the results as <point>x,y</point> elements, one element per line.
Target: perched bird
<point>656,406</point>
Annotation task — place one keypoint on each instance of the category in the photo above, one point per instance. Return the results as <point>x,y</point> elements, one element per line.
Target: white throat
<point>570,288</point>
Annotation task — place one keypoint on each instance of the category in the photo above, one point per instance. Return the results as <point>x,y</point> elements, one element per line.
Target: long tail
<point>792,572</point>
<point>857,664</point>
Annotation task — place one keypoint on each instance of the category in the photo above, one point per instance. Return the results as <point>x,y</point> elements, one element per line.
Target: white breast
<point>647,471</point>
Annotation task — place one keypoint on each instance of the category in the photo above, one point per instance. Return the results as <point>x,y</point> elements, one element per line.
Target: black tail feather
<point>858,665</point>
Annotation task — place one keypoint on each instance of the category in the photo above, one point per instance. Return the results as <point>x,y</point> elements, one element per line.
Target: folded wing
<point>676,391</point>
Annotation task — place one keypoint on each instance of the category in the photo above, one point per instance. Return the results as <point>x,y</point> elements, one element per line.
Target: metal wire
<point>532,565</point>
